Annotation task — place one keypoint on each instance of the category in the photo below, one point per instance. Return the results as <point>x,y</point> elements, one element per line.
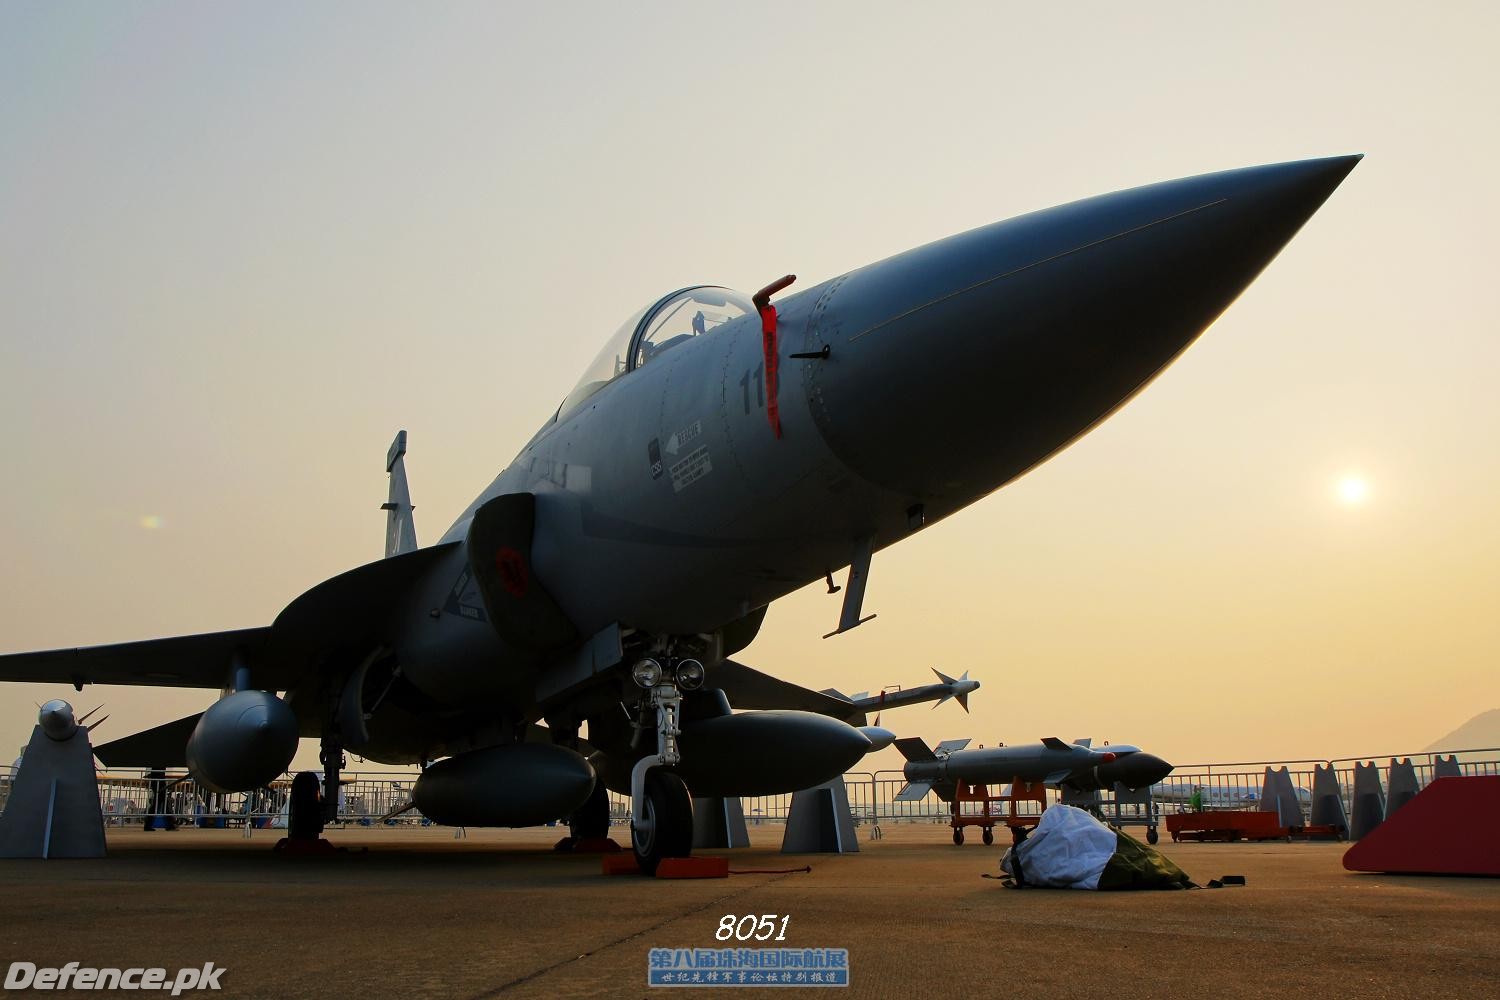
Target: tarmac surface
<point>498,914</point>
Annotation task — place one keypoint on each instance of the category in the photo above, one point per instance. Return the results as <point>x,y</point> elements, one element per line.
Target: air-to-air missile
<point>947,687</point>
<point>1079,766</point>
<point>56,720</point>
<point>58,723</point>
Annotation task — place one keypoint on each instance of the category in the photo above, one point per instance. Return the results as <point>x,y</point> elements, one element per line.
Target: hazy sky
<point>240,245</point>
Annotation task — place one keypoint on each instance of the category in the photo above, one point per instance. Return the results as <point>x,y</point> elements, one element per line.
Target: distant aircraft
<point>721,452</point>
<point>1216,796</point>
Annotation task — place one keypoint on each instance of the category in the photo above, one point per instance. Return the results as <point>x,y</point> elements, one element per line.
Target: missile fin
<point>944,677</point>
<point>1056,776</point>
<point>914,791</point>
<point>950,746</point>
<point>1053,743</point>
<point>1086,742</point>
<point>915,748</point>
<point>963,701</point>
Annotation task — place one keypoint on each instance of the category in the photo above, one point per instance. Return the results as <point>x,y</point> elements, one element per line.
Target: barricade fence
<point>378,798</point>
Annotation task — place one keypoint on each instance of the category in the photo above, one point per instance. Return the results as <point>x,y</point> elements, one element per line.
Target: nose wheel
<point>665,826</point>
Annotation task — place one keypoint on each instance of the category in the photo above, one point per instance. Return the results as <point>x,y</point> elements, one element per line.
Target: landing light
<point>690,675</point>
<point>646,673</point>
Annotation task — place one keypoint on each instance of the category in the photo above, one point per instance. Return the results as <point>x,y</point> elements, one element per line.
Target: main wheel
<point>989,836</point>
<point>590,821</point>
<point>1151,835</point>
<point>305,808</point>
<point>668,829</point>
<point>958,836</point>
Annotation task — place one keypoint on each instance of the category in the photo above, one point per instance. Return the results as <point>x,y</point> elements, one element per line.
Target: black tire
<point>590,821</point>
<point>668,832</point>
<point>1151,835</point>
<point>305,808</point>
<point>958,836</point>
<point>989,836</point>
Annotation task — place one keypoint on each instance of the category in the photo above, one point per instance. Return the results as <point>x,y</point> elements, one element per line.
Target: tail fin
<point>963,699</point>
<point>914,791</point>
<point>400,526</point>
<point>914,748</point>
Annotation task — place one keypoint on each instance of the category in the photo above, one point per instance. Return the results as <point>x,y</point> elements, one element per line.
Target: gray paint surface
<point>663,505</point>
<point>53,809</point>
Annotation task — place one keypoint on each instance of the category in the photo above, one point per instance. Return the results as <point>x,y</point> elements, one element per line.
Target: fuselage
<point>667,504</point>
<point>951,370</point>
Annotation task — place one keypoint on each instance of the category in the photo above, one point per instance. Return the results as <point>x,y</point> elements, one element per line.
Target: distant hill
<point>1481,731</point>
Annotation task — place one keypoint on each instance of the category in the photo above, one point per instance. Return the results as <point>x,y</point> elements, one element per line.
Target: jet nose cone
<point>955,367</point>
<point>1267,205</point>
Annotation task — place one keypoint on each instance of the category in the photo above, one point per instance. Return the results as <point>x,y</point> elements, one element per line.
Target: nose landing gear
<point>666,830</point>
<point>661,809</point>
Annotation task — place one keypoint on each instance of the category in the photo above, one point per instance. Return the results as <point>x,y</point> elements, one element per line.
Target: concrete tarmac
<point>499,915</point>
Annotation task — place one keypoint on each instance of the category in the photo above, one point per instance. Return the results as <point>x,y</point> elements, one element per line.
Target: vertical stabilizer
<point>400,526</point>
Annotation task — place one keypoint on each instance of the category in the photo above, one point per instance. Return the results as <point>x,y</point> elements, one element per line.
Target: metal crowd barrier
<point>1235,786</point>
<point>370,798</point>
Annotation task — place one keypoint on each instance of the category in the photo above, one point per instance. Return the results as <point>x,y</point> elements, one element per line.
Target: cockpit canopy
<point>664,324</point>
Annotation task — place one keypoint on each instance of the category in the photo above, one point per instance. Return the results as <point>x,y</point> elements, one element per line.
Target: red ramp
<point>1451,828</point>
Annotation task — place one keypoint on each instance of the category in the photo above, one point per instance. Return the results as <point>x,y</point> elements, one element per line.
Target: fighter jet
<point>723,450</point>
<point>1052,762</point>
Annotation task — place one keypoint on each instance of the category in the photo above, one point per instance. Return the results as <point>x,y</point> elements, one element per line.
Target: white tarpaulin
<point>1067,850</point>
<point>1070,849</point>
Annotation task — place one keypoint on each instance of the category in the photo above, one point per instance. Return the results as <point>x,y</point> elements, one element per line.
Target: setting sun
<point>1353,490</point>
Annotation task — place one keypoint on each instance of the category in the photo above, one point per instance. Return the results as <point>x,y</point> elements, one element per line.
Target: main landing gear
<point>311,807</point>
<point>590,821</point>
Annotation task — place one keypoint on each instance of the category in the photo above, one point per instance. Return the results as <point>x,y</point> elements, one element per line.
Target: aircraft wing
<point>196,661</point>
<point>746,687</point>
<point>352,607</point>
<point>164,746</point>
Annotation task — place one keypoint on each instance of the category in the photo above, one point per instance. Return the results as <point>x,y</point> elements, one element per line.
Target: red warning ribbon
<point>770,347</point>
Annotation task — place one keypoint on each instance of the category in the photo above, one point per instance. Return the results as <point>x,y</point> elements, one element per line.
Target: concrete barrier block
<point>1401,785</point>
<point>1277,795</point>
<point>53,809</point>
<point>1369,801</point>
<point>1327,799</point>
<point>819,821</point>
<point>719,823</point>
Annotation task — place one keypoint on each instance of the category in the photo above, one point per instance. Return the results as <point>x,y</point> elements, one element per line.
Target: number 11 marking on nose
<point>760,387</point>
